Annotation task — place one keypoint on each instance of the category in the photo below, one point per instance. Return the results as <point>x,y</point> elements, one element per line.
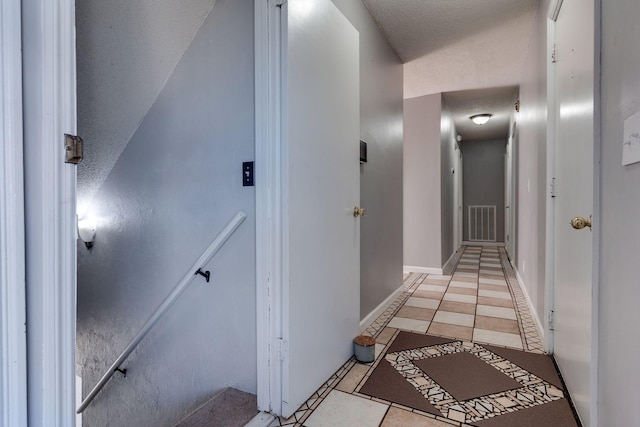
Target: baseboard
<point>263,419</point>
<point>446,265</point>
<point>427,270</point>
<point>488,244</point>
<point>533,312</point>
<point>369,318</point>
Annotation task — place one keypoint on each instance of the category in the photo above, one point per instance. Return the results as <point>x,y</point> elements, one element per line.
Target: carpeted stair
<point>228,408</point>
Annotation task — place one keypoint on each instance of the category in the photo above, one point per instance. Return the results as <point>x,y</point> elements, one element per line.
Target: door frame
<point>552,165</point>
<point>49,111</point>
<point>13,344</point>
<point>270,212</point>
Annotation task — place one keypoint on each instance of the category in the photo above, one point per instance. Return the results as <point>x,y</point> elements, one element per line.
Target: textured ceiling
<point>497,101</point>
<point>456,44</point>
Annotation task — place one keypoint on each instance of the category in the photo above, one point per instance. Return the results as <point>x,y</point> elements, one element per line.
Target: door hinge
<point>279,3</point>
<point>282,346</point>
<point>552,189</point>
<point>551,320</point>
<point>72,149</point>
<point>554,58</point>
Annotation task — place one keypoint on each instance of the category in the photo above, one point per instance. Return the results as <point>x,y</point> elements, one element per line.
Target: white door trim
<point>49,99</point>
<point>553,12</point>
<point>549,294</point>
<point>269,209</point>
<point>13,345</point>
<point>597,213</point>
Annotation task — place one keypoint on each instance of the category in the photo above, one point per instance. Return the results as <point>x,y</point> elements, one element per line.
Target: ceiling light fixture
<point>480,119</point>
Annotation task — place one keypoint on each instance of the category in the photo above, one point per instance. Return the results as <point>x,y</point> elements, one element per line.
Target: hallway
<point>479,300</point>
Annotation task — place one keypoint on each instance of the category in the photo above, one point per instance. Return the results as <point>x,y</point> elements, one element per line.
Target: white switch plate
<point>631,143</point>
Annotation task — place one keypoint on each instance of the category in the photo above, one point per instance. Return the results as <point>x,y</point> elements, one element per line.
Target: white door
<point>574,197</point>
<point>321,186</point>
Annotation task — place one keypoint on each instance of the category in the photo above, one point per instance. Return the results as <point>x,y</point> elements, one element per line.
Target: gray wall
<point>619,231</point>
<point>422,163</point>
<point>448,163</point>
<point>483,181</point>
<point>129,50</point>
<point>381,176</point>
<point>530,150</point>
<point>171,191</point>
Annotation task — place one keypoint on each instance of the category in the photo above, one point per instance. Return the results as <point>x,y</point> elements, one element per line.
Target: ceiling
<point>461,46</point>
<point>497,101</point>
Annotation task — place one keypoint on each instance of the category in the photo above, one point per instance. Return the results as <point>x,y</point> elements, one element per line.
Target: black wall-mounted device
<point>363,152</point>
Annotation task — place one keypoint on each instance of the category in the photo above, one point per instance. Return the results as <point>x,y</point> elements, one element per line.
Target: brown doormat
<point>480,385</point>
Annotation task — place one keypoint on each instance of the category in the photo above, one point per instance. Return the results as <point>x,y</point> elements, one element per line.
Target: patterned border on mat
<point>534,391</point>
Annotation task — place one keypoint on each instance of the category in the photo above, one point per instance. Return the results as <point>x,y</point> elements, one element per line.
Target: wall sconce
<point>480,119</point>
<point>87,231</point>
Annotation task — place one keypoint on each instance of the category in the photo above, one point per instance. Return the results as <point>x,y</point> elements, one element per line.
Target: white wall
<point>129,50</point>
<point>176,184</point>
<point>619,232</point>
<point>530,163</point>
<point>422,177</point>
<point>381,177</point>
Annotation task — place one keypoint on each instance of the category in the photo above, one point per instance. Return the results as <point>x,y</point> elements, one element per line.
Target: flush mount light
<point>480,119</point>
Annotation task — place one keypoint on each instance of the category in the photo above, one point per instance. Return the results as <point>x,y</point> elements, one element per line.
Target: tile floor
<point>479,300</point>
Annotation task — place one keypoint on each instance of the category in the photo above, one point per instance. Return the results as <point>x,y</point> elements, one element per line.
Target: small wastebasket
<point>364,348</point>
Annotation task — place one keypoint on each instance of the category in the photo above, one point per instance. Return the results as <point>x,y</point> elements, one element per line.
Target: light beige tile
<point>465,274</point>
<point>422,302</point>
<point>502,312</point>
<point>460,298</point>
<point>342,409</point>
<point>409,324</point>
<point>460,319</point>
<point>400,418</point>
<point>497,338</point>
<point>459,284</point>
<point>350,381</point>
<point>492,281</point>
<point>432,288</point>
<point>385,335</point>
<point>465,279</point>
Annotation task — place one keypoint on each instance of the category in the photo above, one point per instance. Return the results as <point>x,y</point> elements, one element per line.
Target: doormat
<point>480,385</point>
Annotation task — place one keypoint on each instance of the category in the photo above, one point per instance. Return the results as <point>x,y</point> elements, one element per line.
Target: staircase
<point>228,408</point>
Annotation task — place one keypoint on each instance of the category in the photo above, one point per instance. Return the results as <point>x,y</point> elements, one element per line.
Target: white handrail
<point>168,302</point>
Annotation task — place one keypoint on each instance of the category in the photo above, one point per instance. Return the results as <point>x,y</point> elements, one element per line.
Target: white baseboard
<point>488,244</point>
<point>451,258</point>
<point>369,318</point>
<point>263,419</point>
<point>427,270</point>
<point>533,312</point>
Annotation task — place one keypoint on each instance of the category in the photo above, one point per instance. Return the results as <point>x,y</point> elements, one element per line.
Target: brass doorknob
<point>579,223</point>
<point>359,211</point>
